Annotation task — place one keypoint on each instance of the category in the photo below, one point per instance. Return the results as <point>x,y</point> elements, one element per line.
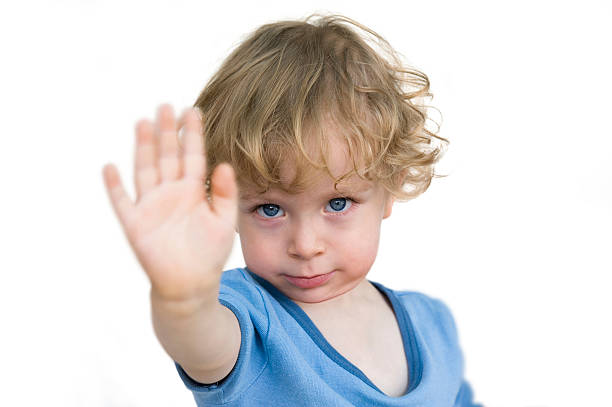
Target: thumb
<point>224,192</point>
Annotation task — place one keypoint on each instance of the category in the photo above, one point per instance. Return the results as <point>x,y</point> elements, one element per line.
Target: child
<point>309,136</point>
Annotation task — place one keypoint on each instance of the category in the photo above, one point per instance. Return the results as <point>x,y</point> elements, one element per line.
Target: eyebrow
<point>342,190</point>
<point>352,189</point>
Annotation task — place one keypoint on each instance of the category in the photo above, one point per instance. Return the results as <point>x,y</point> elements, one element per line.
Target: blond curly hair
<point>275,94</point>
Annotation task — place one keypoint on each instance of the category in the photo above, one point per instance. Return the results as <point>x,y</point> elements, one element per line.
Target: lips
<point>309,282</point>
<point>307,277</point>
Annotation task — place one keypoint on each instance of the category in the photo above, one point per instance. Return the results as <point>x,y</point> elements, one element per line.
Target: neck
<point>362,293</point>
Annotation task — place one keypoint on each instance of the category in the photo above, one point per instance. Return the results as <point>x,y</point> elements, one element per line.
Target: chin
<point>310,299</point>
<point>319,294</point>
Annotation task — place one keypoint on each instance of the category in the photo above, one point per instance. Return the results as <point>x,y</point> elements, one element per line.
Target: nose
<point>305,242</point>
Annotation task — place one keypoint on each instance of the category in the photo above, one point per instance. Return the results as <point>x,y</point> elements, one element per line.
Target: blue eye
<point>339,204</point>
<point>269,210</point>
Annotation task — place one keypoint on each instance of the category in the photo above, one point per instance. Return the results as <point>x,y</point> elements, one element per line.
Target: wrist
<point>185,305</point>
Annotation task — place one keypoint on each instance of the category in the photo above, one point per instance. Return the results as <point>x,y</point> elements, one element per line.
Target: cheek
<point>360,245</point>
<point>259,252</point>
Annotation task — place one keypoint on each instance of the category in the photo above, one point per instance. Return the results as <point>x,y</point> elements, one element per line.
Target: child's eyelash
<point>354,203</point>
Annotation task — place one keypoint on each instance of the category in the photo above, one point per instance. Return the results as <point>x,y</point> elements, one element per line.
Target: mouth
<point>309,282</point>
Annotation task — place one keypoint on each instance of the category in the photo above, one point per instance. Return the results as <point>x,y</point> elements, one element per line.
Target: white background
<point>516,240</point>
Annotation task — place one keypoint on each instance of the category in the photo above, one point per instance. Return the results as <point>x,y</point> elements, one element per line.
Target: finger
<point>169,165</point>
<point>146,173</point>
<point>121,202</point>
<point>224,192</point>
<point>194,165</point>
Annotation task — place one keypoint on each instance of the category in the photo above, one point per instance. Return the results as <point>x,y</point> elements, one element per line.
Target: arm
<point>465,398</point>
<point>203,337</point>
<point>182,241</point>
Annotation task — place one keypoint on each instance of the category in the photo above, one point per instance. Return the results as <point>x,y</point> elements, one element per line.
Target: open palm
<point>180,238</point>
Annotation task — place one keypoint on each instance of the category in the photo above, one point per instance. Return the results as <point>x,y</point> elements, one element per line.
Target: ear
<point>388,206</point>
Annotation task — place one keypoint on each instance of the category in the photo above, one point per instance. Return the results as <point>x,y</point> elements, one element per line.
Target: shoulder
<point>244,296</point>
<point>424,301</point>
<point>236,277</point>
<point>239,284</point>
<point>429,312</point>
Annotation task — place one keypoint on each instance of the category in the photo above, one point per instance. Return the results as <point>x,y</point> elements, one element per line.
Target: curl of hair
<point>278,91</point>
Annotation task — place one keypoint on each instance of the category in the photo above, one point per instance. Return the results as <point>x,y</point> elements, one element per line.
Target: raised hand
<point>180,238</point>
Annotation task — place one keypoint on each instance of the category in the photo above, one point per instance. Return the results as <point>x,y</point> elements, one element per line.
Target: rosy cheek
<point>362,247</point>
<point>364,252</point>
<point>259,252</point>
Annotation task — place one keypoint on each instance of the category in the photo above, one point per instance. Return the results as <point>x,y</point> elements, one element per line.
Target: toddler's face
<point>318,232</point>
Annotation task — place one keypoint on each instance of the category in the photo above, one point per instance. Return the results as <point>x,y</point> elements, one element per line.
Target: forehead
<point>338,162</point>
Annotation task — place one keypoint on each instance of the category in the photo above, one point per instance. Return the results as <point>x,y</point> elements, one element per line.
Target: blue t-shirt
<point>284,360</point>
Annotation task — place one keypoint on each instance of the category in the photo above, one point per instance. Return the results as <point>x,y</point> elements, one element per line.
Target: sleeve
<point>465,395</point>
<point>252,359</point>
